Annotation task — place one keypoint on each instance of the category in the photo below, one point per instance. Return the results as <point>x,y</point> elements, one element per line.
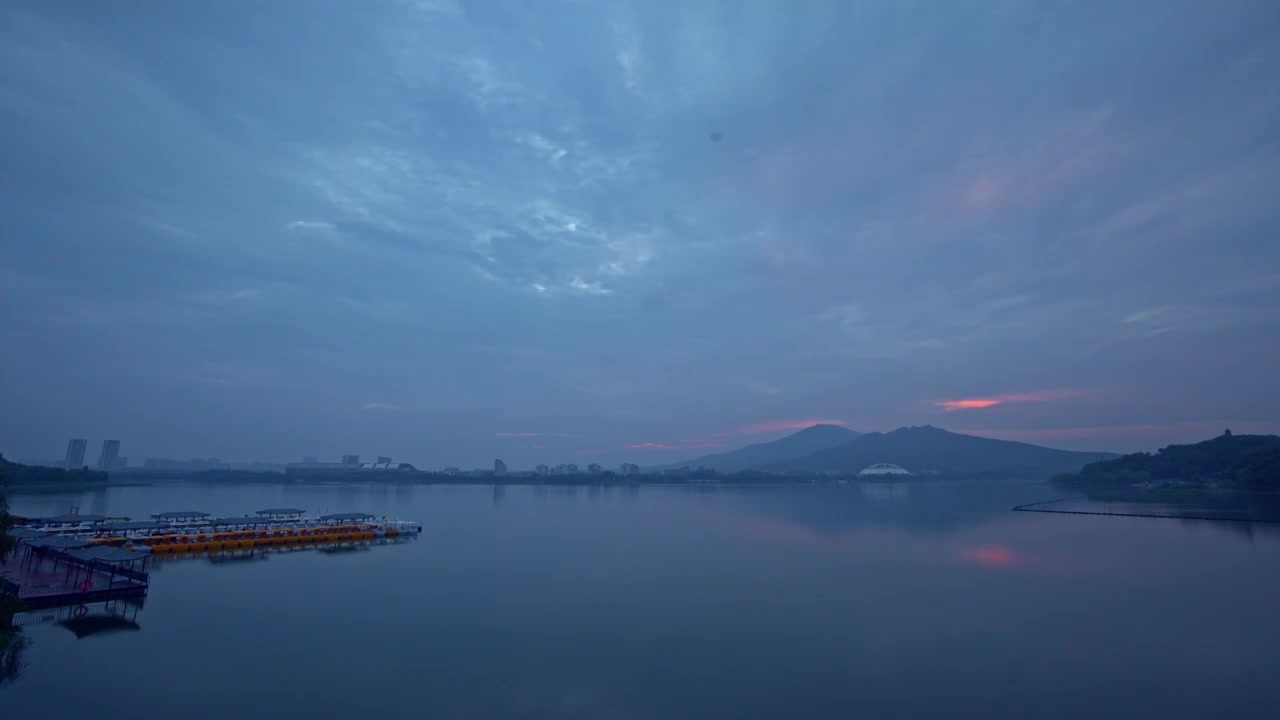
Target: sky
<point>581,231</point>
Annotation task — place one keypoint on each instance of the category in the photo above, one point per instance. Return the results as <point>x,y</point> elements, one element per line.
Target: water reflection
<point>885,491</point>
<point>1246,515</point>
<point>920,508</point>
<point>892,600</point>
<point>83,620</point>
<point>95,619</point>
<point>100,504</point>
<point>13,649</point>
<point>404,493</point>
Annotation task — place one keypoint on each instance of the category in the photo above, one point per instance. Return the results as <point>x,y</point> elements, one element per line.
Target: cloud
<point>913,216</point>
<point>304,225</point>
<point>986,402</point>
<point>588,288</point>
<point>677,445</point>
<point>536,434</point>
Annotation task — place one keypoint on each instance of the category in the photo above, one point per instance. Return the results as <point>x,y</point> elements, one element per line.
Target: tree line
<point>1247,462</point>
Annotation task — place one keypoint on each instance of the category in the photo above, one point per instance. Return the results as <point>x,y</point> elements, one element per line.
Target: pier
<point>59,570</point>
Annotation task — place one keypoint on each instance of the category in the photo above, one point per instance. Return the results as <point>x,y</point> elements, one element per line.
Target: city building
<point>542,470</point>
<point>595,469</point>
<point>499,467</point>
<point>628,469</point>
<point>110,452</point>
<point>75,454</point>
<point>383,460</point>
<point>350,460</point>
<point>345,467</point>
<point>121,463</point>
<point>569,469</point>
<point>388,465</point>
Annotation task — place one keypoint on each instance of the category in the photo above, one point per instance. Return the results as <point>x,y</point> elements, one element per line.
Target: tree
<point>7,543</point>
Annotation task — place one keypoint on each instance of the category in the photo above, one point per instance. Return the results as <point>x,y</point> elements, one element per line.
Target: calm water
<point>842,601</point>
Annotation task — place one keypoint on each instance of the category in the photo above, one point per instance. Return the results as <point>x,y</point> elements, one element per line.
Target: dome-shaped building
<point>883,469</point>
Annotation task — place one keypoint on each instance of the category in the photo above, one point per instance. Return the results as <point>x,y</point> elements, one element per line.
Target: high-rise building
<point>628,469</point>
<point>542,470</point>
<point>595,469</point>
<point>350,459</point>
<point>121,463</point>
<point>383,460</point>
<point>499,467</point>
<point>110,451</point>
<point>75,453</point>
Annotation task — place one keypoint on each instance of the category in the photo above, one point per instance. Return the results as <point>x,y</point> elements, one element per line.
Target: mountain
<point>796,445</point>
<point>930,449</point>
<point>1248,461</point>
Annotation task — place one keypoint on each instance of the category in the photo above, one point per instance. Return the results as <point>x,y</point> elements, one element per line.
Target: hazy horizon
<point>452,231</point>
<point>582,459</point>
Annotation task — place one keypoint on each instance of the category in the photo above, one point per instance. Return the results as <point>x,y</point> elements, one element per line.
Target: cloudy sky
<point>449,231</point>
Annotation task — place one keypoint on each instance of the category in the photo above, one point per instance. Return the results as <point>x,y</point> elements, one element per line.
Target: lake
<point>880,601</point>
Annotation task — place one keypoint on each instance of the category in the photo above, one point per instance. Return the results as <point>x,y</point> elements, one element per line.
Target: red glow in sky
<point>968,404</point>
<point>985,402</point>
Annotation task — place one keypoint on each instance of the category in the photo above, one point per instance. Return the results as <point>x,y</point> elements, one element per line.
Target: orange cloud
<point>985,402</point>
<point>968,404</point>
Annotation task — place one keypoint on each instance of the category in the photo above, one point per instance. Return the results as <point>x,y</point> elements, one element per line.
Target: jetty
<point>52,570</point>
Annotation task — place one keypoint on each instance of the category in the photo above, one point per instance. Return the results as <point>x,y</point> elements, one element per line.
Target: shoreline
<point>53,488</point>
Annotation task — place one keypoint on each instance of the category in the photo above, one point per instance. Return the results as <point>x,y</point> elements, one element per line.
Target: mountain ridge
<point>928,449</point>
<point>799,444</point>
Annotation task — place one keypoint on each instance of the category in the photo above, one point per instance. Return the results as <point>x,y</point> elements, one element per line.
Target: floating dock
<point>81,559</point>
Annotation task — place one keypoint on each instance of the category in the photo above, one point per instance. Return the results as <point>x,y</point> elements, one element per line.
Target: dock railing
<point>119,571</point>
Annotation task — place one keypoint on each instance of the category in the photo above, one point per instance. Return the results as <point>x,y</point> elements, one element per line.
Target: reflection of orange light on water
<point>989,556</point>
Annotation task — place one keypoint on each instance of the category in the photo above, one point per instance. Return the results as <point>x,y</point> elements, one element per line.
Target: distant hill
<point>796,445</point>
<point>930,449</point>
<point>17,474</point>
<point>1247,461</point>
